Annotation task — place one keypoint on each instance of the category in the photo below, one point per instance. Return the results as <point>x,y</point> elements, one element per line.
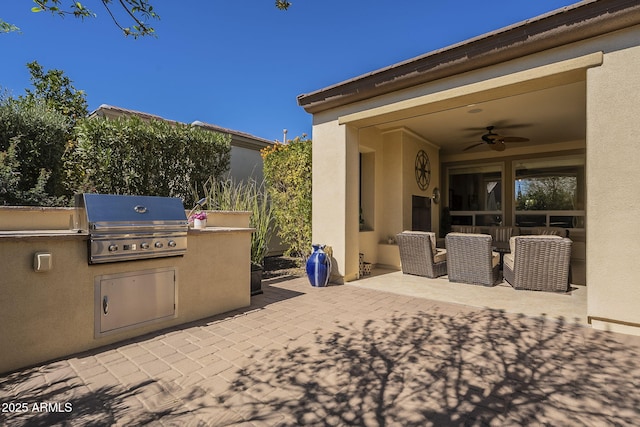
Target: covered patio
<point>342,355</point>
<point>473,127</point>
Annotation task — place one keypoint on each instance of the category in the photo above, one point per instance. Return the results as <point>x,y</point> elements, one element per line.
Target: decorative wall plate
<point>423,170</point>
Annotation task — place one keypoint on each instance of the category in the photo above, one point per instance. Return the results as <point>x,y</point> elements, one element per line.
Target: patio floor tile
<point>345,355</point>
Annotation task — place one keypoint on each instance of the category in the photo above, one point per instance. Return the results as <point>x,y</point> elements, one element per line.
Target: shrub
<point>287,171</point>
<point>33,139</point>
<point>131,156</point>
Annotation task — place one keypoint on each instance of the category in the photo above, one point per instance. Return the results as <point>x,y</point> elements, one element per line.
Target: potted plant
<point>199,219</point>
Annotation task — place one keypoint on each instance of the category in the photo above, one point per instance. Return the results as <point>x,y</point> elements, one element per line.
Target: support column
<point>613,235</point>
<point>335,219</point>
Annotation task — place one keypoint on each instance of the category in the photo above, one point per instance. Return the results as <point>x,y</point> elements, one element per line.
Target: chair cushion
<point>495,259</point>
<point>512,241</point>
<point>440,256</point>
<point>508,261</point>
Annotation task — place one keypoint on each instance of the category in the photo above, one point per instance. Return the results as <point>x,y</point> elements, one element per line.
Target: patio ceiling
<point>547,116</point>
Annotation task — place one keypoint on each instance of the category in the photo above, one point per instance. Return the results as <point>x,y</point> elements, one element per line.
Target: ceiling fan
<point>496,141</point>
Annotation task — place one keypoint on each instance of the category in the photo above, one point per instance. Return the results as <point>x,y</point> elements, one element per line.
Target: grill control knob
<point>113,248</point>
<point>172,243</point>
<point>144,245</point>
<point>158,245</point>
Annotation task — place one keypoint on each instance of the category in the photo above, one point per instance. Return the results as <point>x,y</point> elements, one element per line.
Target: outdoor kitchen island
<point>50,298</point>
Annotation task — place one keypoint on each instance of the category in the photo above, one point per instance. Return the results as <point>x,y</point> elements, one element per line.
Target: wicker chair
<point>471,260</point>
<point>419,256</point>
<point>538,263</point>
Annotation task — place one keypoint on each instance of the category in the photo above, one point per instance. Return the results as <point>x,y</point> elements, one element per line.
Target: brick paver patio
<point>341,355</point>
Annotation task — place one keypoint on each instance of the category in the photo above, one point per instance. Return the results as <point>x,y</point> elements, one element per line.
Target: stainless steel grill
<point>124,228</point>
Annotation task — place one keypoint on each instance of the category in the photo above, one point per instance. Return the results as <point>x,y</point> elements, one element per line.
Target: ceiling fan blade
<point>472,146</point>
<point>505,125</point>
<point>513,139</point>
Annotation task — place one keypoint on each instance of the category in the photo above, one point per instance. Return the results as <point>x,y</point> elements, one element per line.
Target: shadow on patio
<point>436,368</point>
<point>423,365</point>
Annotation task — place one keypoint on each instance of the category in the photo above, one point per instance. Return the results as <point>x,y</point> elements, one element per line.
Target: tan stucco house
<point>561,89</point>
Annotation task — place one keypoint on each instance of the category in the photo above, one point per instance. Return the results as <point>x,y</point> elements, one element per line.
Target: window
<point>550,192</point>
<point>475,195</point>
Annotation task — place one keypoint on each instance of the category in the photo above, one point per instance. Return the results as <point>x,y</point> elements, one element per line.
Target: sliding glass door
<point>476,195</point>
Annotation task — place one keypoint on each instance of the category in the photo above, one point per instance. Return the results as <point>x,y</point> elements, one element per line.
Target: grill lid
<point>124,211</point>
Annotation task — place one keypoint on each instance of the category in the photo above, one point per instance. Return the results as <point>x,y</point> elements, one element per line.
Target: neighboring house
<point>245,161</point>
<point>561,89</point>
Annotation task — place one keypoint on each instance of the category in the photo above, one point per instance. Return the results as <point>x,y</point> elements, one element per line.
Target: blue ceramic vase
<point>318,266</point>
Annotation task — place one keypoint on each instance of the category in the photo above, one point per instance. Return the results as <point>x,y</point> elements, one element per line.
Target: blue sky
<point>241,64</point>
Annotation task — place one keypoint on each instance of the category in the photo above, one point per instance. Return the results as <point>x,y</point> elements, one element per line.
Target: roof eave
<point>557,28</point>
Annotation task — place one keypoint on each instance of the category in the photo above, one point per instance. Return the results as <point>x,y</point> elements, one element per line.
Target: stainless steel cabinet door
<point>132,299</point>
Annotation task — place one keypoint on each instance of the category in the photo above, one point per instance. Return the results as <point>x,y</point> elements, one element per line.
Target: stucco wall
<point>245,163</point>
<point>613,200</point>
<point>410,147</point>
<point>45,315</point>
<point>393,184</point>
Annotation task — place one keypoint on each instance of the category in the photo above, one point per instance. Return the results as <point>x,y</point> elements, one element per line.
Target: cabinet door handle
<point>105,304</point>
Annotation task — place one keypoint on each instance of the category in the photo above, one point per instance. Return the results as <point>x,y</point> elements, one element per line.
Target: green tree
<point>56,90</point>
<point>5,27</point>
<point>135,12</point>
<point>547,193</point>
<point>287,170</point>
<point>39,124</point>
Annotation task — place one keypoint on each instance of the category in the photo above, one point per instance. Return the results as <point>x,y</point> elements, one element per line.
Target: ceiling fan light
<point>499,146</point>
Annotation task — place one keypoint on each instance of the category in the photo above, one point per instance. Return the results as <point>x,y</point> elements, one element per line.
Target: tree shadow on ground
<point>480,368</point>
<point>419,369</point>
<point>66,401</point>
